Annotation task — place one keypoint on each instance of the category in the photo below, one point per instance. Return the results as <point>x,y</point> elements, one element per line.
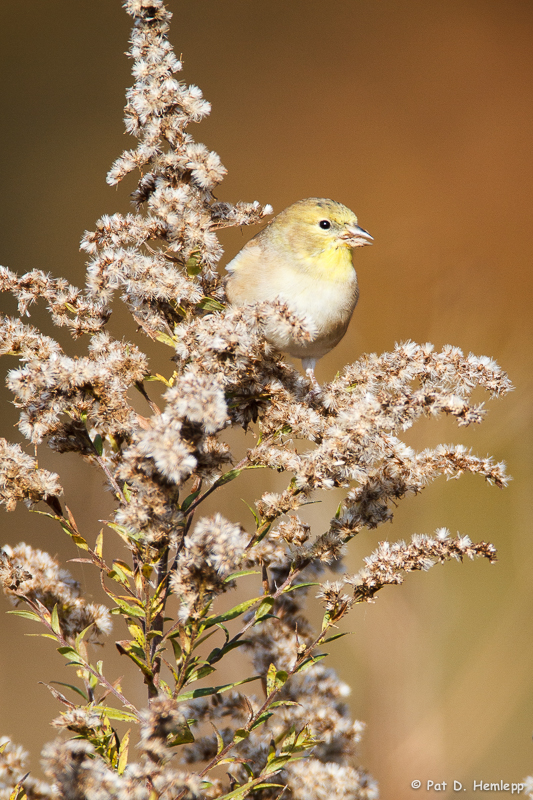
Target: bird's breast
<point>324,290</point>
<point>328,304</point>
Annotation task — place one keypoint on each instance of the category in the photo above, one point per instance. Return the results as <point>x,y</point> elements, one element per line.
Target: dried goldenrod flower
<point>21,479</point>
<point>34,576</point>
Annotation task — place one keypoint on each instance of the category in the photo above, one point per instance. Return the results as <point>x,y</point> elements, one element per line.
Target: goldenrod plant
<point>284,728</point>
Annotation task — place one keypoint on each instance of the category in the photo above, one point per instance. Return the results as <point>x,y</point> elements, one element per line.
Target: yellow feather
<point>334,263</point>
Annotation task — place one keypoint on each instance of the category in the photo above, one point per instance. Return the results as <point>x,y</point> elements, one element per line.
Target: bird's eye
<point>325,224</point>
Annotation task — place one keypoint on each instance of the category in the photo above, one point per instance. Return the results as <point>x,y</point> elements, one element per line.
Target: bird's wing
<point>248,258</point>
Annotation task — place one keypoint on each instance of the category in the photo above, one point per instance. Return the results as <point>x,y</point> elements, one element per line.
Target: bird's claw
<point>315,390</point>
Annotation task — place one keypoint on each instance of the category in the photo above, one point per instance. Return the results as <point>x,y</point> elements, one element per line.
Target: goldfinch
<point>304,258</point>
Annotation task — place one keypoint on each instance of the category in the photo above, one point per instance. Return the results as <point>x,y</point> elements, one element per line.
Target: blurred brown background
<point>418,116</point>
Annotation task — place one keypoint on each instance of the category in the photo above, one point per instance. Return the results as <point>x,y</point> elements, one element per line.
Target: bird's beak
<point>356,236</point>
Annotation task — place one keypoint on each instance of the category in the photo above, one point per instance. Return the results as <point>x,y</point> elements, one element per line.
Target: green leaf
<point>253,513</point>
<point>241,574</point>
<point>288,742</point>
<point>210,304</point>
<point>219,652</point>
<point>275,679</point>
<point>182,736</point>
<point>214,689</point>
<point>271,678</point>
<point>174,675</point>
<point>114,713</point>
<point>18,792</point>
<point>199,673</point>
<point>239,735</point>
<point>137,633</point>
<point>127,608</point>
<point>262,719</point>
<point>58,695</point>
<point>193,269</point>
<point>284,703</point>
<point>123,753</point>
<point>54,621</point>
<point>336,636</point>
<point>43,513</point>
<point>247,768</point>
<point>275,764</point>
<point>164,338</point>
<point>133,651</point>
<point>76,538</point>
<point>124,566</point>
<point>264,609</point>
<point>236,611</point>
<point>125,534</point>
<point>201,640</point>
<point>98,444</point>
<point>70,653</point>
<point>242,791</point>
<point>310,661</point>
<point>26,614</point>
<point>220,740</point>
<point>304,741</point>
<point>263,534</point>
<point>159,378</point>
<point>80,637</point>
<point>300,586</point>
<point>191,265</point>
<point>189,499</point>
<point>177,649</point>
<point>74,689</point>
<point>99,544</point>
<point>228,476</point>
<point>158,600</point>
<point>117,574</point>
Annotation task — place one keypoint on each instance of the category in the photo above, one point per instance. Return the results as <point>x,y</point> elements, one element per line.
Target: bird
<point>303,257</point>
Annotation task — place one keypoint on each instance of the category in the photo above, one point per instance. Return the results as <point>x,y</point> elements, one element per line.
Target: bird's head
<point>317,225</point>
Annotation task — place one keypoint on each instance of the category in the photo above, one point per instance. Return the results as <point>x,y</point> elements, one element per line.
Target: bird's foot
<point>312,379</point>
<point>315,386</point>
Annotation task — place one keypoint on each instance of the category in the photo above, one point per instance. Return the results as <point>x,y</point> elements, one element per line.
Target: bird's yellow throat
<point>334,263</point>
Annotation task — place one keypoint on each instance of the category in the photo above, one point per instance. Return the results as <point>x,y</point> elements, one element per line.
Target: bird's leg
<point>309,365</point>
<point>315,386</point>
